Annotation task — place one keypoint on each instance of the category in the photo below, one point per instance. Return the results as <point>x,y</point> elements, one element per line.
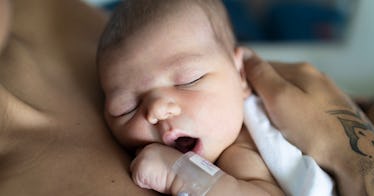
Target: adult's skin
<point>318,118</point>
<point>53,140</point>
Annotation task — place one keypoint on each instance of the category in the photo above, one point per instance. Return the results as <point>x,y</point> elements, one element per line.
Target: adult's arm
<point>319,118</point>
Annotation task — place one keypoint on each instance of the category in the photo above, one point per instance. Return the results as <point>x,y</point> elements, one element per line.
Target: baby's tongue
<point>185,144</point>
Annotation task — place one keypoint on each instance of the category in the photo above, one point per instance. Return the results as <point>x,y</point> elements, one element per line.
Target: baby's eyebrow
<point>182,59</point>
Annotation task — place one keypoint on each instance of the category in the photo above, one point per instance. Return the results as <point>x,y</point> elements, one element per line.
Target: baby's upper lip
<point>169,137</point>
<point>180,140</point>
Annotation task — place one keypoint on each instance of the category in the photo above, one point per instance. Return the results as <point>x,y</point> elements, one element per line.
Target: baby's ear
<point>239,65</point>
<point>238,58</point>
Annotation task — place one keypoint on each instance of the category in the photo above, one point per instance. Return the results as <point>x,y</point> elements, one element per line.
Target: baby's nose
<point>162,109</point>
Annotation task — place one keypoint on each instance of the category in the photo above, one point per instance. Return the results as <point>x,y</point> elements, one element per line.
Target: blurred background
<point>333,35</point>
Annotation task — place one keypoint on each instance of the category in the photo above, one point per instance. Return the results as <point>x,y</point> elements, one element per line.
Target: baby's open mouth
<point>185,144</point>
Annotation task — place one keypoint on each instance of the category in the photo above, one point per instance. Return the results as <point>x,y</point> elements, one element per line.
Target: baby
<point>174,82</point>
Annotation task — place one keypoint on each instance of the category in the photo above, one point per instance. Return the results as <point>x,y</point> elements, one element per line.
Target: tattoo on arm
<point>359,131</point>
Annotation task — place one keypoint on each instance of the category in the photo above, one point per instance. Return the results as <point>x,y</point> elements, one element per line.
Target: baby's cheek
<point>136,133</point>
<point>116,127</point>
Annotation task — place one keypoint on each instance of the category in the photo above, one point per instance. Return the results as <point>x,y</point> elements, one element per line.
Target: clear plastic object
<point>198,175</point>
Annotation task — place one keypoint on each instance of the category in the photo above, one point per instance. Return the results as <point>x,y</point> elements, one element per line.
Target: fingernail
<point>153,120</point>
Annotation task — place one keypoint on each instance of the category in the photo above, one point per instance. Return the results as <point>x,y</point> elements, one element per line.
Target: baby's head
<point>171,74</point>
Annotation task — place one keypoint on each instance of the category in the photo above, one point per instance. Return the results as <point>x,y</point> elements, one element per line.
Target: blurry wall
<point>350,62</point>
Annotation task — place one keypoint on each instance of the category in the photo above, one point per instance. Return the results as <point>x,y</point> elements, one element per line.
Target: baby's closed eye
<point>120,107</point>
<point>190,82</point>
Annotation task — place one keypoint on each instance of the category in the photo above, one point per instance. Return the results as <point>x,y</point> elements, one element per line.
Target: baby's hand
<point>152,167</point>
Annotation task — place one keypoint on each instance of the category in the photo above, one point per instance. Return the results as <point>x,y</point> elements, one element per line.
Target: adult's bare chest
<point>53,139</point>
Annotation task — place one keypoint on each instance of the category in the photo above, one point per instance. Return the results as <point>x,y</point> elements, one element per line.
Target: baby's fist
<point>152,167</point>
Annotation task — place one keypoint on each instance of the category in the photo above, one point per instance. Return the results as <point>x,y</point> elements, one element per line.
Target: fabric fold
<point>297,174</point>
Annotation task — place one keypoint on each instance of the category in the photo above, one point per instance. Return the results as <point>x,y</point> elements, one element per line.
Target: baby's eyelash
<point>130,110</point>
<point>192,82</point>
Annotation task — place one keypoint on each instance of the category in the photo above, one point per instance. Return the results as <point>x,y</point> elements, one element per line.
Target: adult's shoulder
<point>60,26</point>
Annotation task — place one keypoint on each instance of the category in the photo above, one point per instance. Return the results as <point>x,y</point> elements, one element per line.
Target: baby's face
<point>171,83</point>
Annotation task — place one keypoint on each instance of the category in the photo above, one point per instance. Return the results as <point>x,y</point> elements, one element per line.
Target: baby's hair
<point>131,15</point>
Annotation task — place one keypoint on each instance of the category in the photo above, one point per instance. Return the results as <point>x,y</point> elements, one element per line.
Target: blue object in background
<point>304,22</point>
<point>245,27</point>
<point>111,5</point>
<point>287,21</point>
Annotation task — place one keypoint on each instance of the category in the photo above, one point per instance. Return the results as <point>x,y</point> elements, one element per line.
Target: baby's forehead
<point>142,72</point>
<point>173,66</point>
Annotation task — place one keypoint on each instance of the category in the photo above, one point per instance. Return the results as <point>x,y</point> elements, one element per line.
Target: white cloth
<point>297,174</point>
